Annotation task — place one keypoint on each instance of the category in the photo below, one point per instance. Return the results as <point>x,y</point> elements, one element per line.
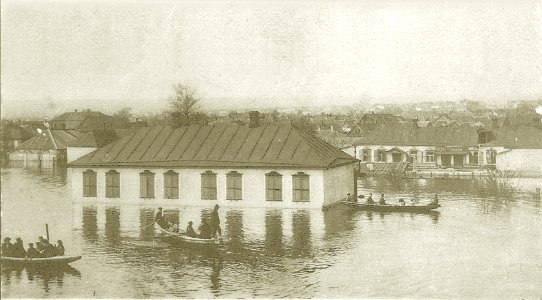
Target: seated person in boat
<point>350,198</point>
<point>205,230</point>
<point>40,243</point>
<point>48,249</point>
<point>434,201</point>
<point>32,252</point>
<point>190,230</point>
<point>370,199</point>
<point>174,227</point>
<point>18,249</point>
<point>382,201</point>
<point>7,247</point>
<point>402,202</point>
<point>59,248</point>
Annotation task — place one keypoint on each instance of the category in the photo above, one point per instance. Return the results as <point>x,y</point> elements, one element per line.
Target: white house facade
<point>260,166</point>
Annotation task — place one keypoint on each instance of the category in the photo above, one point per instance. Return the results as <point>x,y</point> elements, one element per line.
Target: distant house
<point>45,150</point>
<point>424,148</point>
<point>12,136</point>
<point>371,122</point>
<point>267,165</point>
<point>518,149</point>
<point>87,120</point>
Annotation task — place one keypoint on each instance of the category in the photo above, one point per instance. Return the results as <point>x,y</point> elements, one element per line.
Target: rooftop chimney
<point>254,119</point>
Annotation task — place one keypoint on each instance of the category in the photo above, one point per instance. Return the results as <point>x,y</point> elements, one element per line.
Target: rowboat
<point>181,237</point>
<point>49,261</point>
<point>393,208</point>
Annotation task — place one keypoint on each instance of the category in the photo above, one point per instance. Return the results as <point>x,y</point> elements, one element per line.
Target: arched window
<point>234,186</point>
<point>273,186</point>
<point>208,185</point>
<point>171,185</point>
<point>146,184</point>
<point>112,184</point>
<point>301,187</point>
<point>89,183</point>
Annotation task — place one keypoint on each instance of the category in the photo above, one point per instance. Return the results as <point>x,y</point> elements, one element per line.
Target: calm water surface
<point>476,246</point>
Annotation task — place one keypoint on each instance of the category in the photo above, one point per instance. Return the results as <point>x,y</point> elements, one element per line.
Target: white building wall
<point>523,161</point>
<point>74,153</point>
<point>253,186</point>
<point>338,182</point>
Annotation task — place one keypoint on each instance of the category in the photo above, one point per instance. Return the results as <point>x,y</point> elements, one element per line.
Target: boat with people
<point>182,237</point>
<point>39,261</point>
<point>393,208</point>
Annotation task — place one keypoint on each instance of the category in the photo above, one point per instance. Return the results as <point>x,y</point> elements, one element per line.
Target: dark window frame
<point>234,186</point>
<point>273,186</point>
<point>146,184</point>
<point>301,187</point>
<point>112,184</point>
<point>171,185</point>
<point>90,183</point>
<point>208,186</point>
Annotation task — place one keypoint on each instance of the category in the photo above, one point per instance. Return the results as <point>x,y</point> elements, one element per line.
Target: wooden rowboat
<point>181,237</point>
<point>49,261</point>
<point>393,208</point>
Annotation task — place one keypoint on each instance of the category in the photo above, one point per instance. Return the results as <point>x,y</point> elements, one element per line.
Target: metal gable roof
<point>51,140</point>
<point>218,145</point>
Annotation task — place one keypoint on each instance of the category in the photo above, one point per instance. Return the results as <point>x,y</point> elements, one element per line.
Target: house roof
<point>520,137</point>
<point>15,132</point>
<point>77,116</point>
<point>429,136</point>
<point>96,138</point>
<point>218,146</point>
<point>50,140</point>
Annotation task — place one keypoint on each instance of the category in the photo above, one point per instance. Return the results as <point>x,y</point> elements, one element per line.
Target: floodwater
<point>475,246</point>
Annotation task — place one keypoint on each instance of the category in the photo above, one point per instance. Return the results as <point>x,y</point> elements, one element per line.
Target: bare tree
<point>185,106</point>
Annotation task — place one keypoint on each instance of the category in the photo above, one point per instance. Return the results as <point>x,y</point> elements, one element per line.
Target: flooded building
<point>45,150</point>
<point>266,166</point>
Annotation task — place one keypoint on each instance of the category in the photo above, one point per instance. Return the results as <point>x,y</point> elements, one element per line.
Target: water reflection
<point>112,225</point>
<point>337,219</point>
<point>46,277</point>
<point>90,224</point>
<point>273,232</point>
<point>301,228</point>
<point>146,224</point>
<point>234,231</point>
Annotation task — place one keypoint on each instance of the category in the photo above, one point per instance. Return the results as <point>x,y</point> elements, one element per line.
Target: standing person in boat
<point>205,231</point>
<point>18,248</point>
<point>215,222</point>
<point>370,199</point>
<point>434,201</point>
<point>382,201</point>
<point>32,252</point>
<point>59,248</point>
<point>190,230</point>
<point>7,247</point>
<point>159,219</point>
<point>402,202</point>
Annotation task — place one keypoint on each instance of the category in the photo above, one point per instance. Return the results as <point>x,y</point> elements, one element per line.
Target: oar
<point>47,230</point>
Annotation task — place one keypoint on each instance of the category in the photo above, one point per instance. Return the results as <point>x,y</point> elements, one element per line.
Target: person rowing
<point>435,200</point>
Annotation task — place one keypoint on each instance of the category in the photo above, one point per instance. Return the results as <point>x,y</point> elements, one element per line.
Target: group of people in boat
<point>208,230</point>
<point>382,201</point>
<point>43,248</point>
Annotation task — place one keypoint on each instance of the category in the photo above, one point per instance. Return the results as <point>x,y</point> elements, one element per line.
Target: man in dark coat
<point>32,252</point>
<point>215,222</point>
<point>7,247</point>
<point>159,219</point>
<point>205,230</point>
<point>18,248</point>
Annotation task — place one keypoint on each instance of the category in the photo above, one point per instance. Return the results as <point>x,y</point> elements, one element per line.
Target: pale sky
<point>59,56</point>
